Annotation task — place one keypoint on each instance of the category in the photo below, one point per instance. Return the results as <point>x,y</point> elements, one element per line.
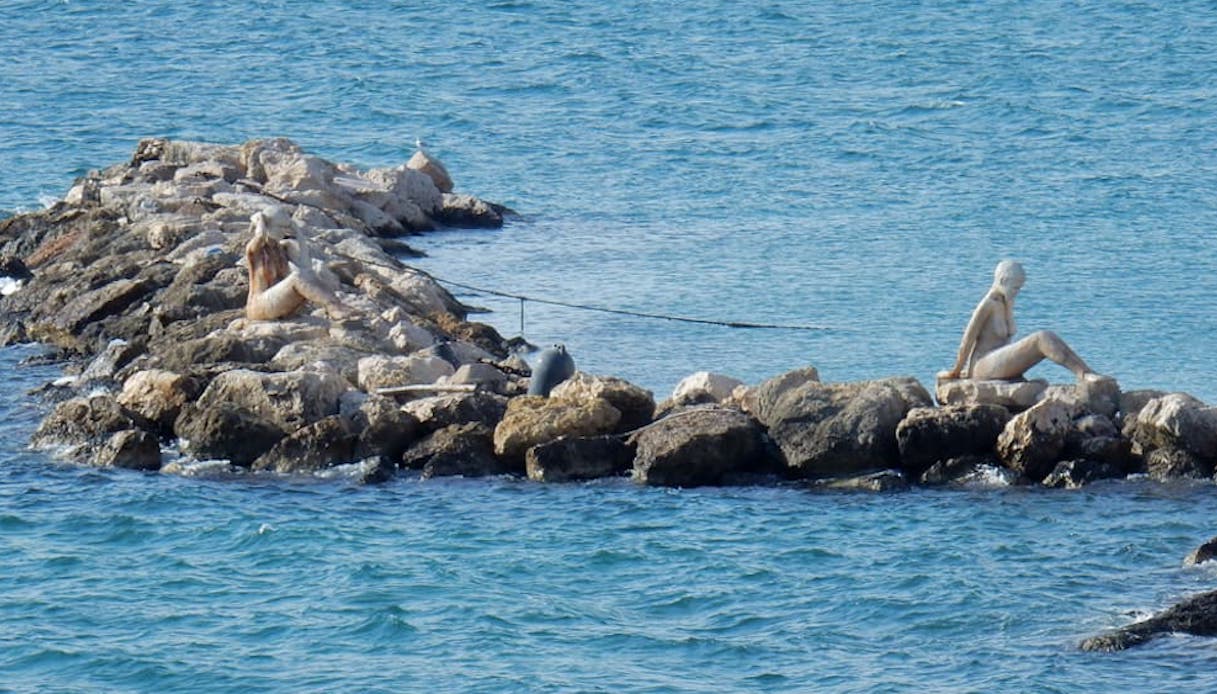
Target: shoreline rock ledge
<point>139,278</point>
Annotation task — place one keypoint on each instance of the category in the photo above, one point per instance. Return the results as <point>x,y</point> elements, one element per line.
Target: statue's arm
<point>970,335</point>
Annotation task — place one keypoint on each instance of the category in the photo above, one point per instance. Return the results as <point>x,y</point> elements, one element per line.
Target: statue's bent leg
<point>1013,360</point>
<point>278,301</point>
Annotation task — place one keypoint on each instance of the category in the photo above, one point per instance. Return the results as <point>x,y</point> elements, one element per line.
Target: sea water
<point>855,169</point>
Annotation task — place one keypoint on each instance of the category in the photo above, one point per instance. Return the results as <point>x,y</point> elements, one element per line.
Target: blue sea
<point>854,168</point>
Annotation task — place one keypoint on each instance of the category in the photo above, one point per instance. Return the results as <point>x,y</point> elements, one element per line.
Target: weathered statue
<point>281,277</point>
<point>986,352</point>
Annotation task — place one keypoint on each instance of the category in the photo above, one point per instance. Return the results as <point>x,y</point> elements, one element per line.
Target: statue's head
<point>1008,278</point>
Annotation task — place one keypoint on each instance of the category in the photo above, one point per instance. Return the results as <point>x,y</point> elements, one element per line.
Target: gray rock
<point>463,449</point>
<point>1073,474</point>
<point>534,419</point>
<point>1203,553</point>
<point>969,471</point>
<point>635,404</point>
<point>226,431</point>
<point>385,431</point>
<point>928,435</point>
<point>322,444</point>
<point>1177,421</point>
<point>1164,464</point>
<point>158,395</point>
<point>289,400</point>
<point>837,430</point>
<point>1032,442</point>
<point>875,482</point>
<point>1196,615</point>
<point>570,459</point>
<point>1015,396</point>
<point>701,446</point>
<point>84,423</point>
<point>441,411</point>
<point>133,449</point>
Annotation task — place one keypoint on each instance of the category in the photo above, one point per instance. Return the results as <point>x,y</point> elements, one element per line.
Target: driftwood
<point>429,388</point>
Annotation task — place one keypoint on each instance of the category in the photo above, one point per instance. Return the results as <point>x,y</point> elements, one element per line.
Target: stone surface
<point>1196,615</point>
<point>158,395</point>
<point>874,482</point>
<point>384,430</point>
<point>386,372</point>
<point>635,404</point>
<point>1073,474</point>
<point>1032,441</point>
<point>572,459</point>
<point>327,442</point>
<point>840,429</point>
<point>703,446</point>
<point>1169,463</point>
<point>974,471</point>
<point>1203,553</point>
<point>133,449</point>
<point>440,411</point>
<point>1179,421</point>
<point>461,449</point>
<point>927,434</point>
<point>533,419</point>
<point>226,431</point>
<point>82,422</point>
<point>1015,396</point>
<point>288,400</point>
<point>429,165</point>
<point>704,387</point>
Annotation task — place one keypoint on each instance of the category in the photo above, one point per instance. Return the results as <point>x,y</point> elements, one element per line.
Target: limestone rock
<point>704,387</point>
<point>479,374</point>
<point>325,443</point>
<point>839,429</point>
<point>973,471</point>
<point>927,435</point>
<point>469,212</point>
<point>874,482</point>
<point>1032,441</point>
<point>1171,463</point>
<point>83,422</point>
<point>385,432</point>
<point>1015,396</point>
<point>441,411</point>
<point>288,400</point>
<point>1177,421</point>
<point>1203,553</point>
<point>133,449</point>
<point>226,431</point>
<point>433,169</point>
<point>532,419</point>
<point>570,459</point>
<point>461,449</point>
<point>1196,615</point>
<point>1073,474</point>
<point>699,447</point>
<point>158,395</point>
<point>1131,403</point>
<point>386,372</point>
<point>635,404</point>
<point>764,397</point>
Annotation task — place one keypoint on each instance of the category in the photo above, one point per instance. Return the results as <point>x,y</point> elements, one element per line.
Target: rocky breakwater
<point>141,277</point>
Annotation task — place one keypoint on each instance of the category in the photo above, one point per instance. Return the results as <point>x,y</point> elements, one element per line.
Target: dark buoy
<point>554,365</point>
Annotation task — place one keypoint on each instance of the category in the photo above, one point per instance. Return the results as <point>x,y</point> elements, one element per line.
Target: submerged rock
<point>1196,615</point>
<point>1203,553</point>
<point>585,458</point>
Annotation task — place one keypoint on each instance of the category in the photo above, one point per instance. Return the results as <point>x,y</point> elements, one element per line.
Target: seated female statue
<point>281,276</point>
<point>986,351</point>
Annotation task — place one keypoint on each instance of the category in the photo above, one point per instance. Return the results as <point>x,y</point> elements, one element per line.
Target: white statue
<point>986,351</point>
<point>281,277</point>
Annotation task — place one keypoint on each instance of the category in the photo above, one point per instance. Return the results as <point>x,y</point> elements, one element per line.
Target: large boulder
<point>701,446</point>
<point>440,411</point>
<point>1177,421</point>
<point>570,459</point>
<point>1073,474</point>
<point>1203,553</point>
<point>431,167</point>
<point>462,449</point>
<point>838,429</point>
<point>972,471</point>
<point>533,419</point>
<point>929,434</point>
<point>1196,615</point>
<point>133,449</point>
<point>635,404</point>
<point>1015,396</point>
<point>1032,442</point>
<point>704,387</point>
<point>289,400</point>
<point>226,431</point>
<point>386,372</point>
<point>158,395</point>
<point>385,431</point>
<point>325,443</point>
<point>78,427</point>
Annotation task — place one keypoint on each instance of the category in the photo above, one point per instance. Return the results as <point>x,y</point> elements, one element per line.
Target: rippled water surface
<point>857,168</point>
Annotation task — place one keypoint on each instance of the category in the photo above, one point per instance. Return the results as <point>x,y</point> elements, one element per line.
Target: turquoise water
<point>856,168</point>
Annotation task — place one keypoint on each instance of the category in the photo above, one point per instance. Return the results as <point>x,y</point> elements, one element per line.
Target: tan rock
<point>533,419</point>
<point>1012,395</point>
